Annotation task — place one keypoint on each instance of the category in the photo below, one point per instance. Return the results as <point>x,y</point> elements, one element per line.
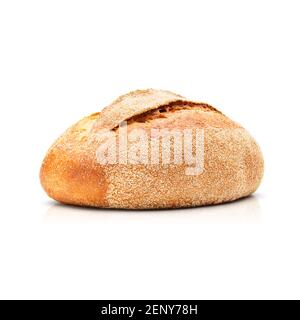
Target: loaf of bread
<point>152,149</point>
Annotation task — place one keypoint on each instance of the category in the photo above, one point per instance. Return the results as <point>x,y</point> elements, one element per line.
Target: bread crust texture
<point>107,159</point>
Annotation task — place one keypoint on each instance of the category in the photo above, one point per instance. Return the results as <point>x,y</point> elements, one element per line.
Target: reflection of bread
<point>233,164</point>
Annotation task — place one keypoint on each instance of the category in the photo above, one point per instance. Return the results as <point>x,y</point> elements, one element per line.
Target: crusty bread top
<point>138,102</point>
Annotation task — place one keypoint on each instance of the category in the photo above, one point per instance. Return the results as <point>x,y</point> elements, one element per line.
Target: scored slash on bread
<point>138,102</point>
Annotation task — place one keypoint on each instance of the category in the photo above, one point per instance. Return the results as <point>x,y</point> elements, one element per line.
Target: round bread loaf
<point>152,149</point>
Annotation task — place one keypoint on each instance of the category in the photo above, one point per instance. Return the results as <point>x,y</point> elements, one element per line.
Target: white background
<point>62,60</point>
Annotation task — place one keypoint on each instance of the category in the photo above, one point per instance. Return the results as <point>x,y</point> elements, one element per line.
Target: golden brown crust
<point>233,163</point>
<point>70,172</point>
